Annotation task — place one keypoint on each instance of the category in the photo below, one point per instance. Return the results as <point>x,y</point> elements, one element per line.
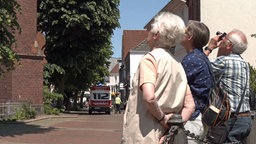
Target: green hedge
<point>49,99</point>
<point>24,112</point>
<point>253,78</point>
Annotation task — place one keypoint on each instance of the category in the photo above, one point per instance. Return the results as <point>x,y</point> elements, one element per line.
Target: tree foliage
<point>50,70</point>
<point>253,73</point>
<point>50,99</point>
<point>8,26</point>
<point>78,39</point>
<point>253,77</point>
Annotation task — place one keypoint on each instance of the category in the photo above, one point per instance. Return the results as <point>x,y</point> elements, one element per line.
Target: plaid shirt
<point>235,74</point>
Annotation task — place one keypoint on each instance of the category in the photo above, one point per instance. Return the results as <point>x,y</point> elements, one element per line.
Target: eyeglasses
<point>228,39</point>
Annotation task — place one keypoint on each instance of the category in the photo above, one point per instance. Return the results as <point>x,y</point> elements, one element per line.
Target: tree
<point>252,78</point>
<point>8,27</point>
<point>253,73</point>
<point>78,39</point>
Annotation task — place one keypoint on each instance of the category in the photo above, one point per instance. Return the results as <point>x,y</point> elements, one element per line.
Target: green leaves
<point>253,73</point>
<point>253,78</point>
<point>51,70</point>
<point>78,39</point>
<point>8,27</point>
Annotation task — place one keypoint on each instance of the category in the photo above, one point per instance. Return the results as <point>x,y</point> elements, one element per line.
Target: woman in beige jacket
<point>159,87</point>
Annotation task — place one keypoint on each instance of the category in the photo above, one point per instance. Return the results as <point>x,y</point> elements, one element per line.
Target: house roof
<point>115,69</point>
<point>172,6</point>
<point>141,47</point>
<point>131,39</point>
<point>113,62</point>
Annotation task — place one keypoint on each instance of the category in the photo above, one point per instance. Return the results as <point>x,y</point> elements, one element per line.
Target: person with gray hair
<point>159,87</point>
<point>234,79</point>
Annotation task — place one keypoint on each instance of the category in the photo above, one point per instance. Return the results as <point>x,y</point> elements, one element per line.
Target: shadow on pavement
<point>20,128</point>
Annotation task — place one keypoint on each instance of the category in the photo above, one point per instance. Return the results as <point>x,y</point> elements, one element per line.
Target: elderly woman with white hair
<point>159,87</point>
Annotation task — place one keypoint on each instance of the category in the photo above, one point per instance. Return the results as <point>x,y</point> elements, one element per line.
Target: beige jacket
<point>139,126</point>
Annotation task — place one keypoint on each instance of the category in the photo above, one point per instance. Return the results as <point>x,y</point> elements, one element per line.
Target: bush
<point>23,113</point>
<point>253,78</point>
<point>50,100</point>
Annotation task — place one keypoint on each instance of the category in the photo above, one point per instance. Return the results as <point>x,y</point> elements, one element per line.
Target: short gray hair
<point>170,27</point>
<point>238,40</point>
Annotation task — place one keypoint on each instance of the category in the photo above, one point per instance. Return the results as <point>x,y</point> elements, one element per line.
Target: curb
<point>48,117</point>
<point>69,114</point>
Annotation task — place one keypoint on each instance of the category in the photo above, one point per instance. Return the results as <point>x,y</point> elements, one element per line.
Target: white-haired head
<point>170,27</point>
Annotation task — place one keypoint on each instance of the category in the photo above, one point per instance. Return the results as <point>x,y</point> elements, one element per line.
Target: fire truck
<point>100,99</point>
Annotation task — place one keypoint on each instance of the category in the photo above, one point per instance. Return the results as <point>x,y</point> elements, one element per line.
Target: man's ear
<point>230,46</point>
<point>190,37</point>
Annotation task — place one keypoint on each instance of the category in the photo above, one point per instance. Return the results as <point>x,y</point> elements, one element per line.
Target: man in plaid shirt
<point>234,79</point>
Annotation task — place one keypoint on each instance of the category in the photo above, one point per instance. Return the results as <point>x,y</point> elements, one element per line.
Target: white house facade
<point>226,15</point>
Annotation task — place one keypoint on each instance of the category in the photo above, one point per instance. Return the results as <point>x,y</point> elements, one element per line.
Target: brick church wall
<point>25,83</point>
<point>5,87</point>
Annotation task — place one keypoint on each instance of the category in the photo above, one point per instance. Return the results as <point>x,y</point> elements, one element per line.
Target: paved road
<point>65,129</point>
<point>71,129</point>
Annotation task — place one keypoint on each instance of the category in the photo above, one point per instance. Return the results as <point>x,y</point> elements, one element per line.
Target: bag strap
<point>242,98</point>
<point>210,70</point>
<point>214,81</point>
<point>240,103</point>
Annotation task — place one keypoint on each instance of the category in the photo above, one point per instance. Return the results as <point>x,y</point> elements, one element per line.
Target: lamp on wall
<point>36,46</point>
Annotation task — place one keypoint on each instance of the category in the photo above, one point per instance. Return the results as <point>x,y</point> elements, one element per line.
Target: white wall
<point>224,15</point>
<point>182,11</point>
<point>134,62</point>
<point>114,79</point>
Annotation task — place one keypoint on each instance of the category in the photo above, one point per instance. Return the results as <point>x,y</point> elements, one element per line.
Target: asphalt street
<point>73,128</point>
<point>64,129</point>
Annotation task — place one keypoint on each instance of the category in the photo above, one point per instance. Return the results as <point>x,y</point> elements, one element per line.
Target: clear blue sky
<point>134,15</point>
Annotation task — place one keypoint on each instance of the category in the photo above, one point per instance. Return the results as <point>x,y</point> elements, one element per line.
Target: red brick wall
<point>130,39</point>
<point>27,21</point>
<point>25,83</point>
<point>5,87</point>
